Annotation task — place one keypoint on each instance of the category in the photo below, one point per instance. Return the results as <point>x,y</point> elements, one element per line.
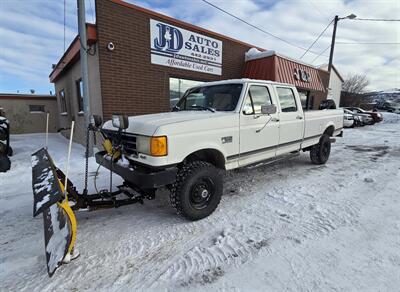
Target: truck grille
<point>128,141</point>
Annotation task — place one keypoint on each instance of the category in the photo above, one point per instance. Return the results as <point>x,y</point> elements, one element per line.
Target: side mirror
<point>268,109</point>
<point>120,121</point>
<point>96,121</point>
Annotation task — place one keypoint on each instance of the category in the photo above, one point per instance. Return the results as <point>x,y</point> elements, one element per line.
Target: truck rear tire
<point>319,153</point>
<point>197,190</point>
<point>5,162</point>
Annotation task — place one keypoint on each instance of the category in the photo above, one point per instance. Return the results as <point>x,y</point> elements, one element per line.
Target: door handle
<point>274,120</point>
<point>299,117</point>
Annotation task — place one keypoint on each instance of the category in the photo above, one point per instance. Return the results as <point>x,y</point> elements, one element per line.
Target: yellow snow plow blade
<point>58,218</point>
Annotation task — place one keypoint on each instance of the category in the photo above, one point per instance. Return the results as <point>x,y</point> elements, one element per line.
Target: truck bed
<point>316,121</point>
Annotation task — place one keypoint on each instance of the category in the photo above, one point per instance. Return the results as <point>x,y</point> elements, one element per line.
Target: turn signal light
<point>158,146</point>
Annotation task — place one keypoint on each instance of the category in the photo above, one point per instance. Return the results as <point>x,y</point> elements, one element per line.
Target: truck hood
<point>148,124</point>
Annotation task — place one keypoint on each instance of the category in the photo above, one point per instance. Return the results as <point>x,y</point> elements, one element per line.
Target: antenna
<point>47,130</point>
<point>69,155</point>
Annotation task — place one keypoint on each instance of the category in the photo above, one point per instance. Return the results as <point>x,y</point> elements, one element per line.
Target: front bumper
<point>142,177</point>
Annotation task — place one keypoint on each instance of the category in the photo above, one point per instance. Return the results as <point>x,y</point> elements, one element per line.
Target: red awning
<point>278,68</point>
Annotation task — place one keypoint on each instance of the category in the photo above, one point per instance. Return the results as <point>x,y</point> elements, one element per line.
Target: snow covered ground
<point>290,226</point>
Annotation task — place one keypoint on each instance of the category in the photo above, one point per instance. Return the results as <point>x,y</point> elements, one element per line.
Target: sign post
<point>84,67</point>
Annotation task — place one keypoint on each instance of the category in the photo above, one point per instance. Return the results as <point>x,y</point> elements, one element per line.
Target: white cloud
<point>31,33</point>
<point>300,22</point>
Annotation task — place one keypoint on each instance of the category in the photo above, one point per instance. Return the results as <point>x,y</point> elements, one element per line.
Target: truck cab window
<point>287,99</point>
<point>257,96</point>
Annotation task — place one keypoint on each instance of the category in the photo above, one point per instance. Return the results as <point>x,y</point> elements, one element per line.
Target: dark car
<point>376,116</point>
<point>327,104</point>
<point>5,148</point>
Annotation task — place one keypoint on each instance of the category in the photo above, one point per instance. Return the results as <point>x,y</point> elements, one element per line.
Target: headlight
<point>154,146</point>
<point>120,121</point>
<point>143,144</point>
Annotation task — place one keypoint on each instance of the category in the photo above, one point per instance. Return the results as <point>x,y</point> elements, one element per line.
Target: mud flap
<point>58,218</point>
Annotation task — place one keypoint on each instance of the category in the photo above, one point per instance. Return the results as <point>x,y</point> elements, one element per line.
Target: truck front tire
<point>319,153</point>
<point>197,190</point>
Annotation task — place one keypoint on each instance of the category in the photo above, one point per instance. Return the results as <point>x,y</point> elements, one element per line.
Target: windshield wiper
<point>203,108</point>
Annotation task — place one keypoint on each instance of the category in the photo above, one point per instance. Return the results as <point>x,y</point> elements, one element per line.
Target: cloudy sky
<point>32,34</point>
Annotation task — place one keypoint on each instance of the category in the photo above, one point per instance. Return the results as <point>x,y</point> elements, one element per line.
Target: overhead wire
<point>91,9</point>
<point>318,37</point>
<point>64,24</point>
<point>320,54</point>
<point>365,43</point>
<point>258,28</point>
<point>374,19</point>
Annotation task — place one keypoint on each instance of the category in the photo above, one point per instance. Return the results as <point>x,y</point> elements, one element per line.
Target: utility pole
<point>84,68</point>
<point>335,21</point>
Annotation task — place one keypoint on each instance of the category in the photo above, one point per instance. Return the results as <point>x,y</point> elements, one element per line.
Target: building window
<point>79,94</point>
<point>177,87</point>
<point>63,102</point>
<point>35,108</point>
<point>287,100</point>
<point>305,99</point>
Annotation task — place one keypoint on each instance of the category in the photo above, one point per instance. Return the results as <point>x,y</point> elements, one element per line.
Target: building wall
<point>68,82</point>
<point>335,88</point>
<point>22,121</point>
<point>130,84</point>
<point>320,96</point>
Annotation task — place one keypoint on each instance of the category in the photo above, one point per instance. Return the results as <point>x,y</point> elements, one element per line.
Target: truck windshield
<point>222,97</point>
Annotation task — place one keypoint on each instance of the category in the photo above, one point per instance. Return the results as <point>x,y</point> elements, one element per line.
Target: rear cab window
<point>287,99</point>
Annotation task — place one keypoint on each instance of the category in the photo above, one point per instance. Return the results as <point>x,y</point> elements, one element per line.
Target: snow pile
<point>290,226</point>
<point>253,54</point>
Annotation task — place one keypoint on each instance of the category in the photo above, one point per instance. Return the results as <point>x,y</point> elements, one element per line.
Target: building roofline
<point>337,73</point>
<point>270,53</point>
<point>27,96</point>
<point>322,68</point>
<point>180,22</point>
<point>71,55</point>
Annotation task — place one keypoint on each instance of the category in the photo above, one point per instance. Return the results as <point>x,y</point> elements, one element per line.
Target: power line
<point>375,19</point>
<point>365,43</point>
<point>316,39</point>
<point>319,55</point>
<point>316,8</point>
<point>64,25</point>
<point>258,28</point>
<point>91,9</point>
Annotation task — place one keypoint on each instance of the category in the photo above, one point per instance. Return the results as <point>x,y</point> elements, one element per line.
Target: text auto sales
<point>177,47</point>
<point>199,45</point>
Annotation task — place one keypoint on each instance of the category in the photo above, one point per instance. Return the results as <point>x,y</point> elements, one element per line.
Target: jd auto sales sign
<point>176,47</point>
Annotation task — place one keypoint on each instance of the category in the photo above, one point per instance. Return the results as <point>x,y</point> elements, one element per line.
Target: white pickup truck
<point>214,127</point>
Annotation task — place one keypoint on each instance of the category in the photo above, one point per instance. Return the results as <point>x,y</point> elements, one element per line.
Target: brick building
<point>141,62</point>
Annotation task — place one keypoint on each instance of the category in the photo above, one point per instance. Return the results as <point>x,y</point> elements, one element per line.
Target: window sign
<point>180,48</point>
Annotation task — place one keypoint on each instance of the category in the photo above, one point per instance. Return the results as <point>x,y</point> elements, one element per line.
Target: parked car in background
<point>348,120</point>
<point>360,120</point>
<point>327,104</point>
<point>376,116</point>
<point>391,106</point>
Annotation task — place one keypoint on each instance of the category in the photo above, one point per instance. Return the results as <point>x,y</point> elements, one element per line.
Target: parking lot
<point>291,225</point>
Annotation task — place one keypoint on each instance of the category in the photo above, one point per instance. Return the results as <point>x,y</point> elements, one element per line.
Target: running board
<point>272,160</point>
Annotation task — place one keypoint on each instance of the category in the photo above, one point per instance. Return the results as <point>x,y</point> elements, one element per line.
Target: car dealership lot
<point>291,225</point>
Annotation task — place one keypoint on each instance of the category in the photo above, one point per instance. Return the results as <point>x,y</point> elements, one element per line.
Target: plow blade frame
<point>45,184</point>
<point>58,219</point>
